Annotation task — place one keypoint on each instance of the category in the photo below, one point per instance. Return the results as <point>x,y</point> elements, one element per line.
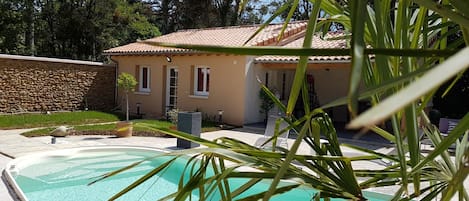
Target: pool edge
<point>17,194</point>
<point>13,187</point>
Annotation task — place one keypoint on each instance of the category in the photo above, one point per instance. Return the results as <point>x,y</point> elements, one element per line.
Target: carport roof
<point>329,41</point>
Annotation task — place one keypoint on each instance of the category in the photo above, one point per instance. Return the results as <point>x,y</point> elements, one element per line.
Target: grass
<point>107,129</point>
<point>54,119</point>
<point>79,120</point>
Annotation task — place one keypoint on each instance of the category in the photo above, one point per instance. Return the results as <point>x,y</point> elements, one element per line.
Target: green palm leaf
<point>394,48</point>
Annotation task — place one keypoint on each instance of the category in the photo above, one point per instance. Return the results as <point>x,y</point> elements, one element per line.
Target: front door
<point>171,88</point>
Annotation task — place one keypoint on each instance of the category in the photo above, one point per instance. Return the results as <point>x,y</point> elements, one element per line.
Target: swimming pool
<point>65,175</point>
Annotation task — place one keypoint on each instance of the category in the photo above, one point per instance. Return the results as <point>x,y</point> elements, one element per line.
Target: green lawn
<point>54,119</point>
<point>78,121</point>
<point>108,128</point>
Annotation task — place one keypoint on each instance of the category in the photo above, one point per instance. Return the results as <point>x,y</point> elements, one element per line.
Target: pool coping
<point>10,190</point>
<point>15,190</point>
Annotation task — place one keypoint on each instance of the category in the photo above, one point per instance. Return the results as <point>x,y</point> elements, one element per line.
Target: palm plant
<point>400,51</point>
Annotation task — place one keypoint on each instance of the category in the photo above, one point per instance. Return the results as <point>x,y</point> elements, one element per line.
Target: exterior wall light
<point>168,59</point>
<point>138,108</point>
<point>220,117</point>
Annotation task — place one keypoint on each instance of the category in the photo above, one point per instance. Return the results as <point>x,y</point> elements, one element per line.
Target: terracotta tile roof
<point>331,40</point>
<point>236,36</point>
<point>223,36</point>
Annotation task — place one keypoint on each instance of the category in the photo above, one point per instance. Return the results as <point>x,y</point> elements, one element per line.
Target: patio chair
<point>446,125</point>
<point>270,130</point>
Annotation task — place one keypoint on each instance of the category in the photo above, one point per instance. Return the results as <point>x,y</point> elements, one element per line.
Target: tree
<point>79,29</point>
<point>132,22</point>
<point>29,15</point>
<point>127,83</point>
<point>266,104</point>
<point>82,29</point>
<point>224,11</point>
<point>301,12</point>
<point>173,15</point>
<point>11,27</point>
<point>253,12</point>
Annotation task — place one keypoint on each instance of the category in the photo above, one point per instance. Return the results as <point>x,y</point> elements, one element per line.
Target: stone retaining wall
<point>34,84</point>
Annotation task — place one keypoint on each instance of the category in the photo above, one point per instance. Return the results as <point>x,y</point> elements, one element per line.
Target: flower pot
<point>124,129</point>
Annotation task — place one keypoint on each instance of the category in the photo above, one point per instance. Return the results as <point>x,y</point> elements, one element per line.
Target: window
<point>201,81</point>
<point>144,79</point>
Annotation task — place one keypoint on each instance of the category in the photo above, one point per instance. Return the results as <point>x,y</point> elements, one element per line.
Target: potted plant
<point>266,104</point>
<point>127,83</point>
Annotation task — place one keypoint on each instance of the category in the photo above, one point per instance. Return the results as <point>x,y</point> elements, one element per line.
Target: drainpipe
<point>116,75</point>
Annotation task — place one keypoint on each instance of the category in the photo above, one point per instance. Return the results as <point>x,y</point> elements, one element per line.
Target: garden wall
<point>38,84</point>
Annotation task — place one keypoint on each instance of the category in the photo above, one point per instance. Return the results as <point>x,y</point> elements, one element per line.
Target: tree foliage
<point>301,12</point>
<point>173,15</point>
<point>79,29</point>
<point>11,28</point>
<point>82,29</point>
<point>127,83</point>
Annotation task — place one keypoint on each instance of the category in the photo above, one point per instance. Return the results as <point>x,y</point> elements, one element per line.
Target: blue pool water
<point>65,177</point>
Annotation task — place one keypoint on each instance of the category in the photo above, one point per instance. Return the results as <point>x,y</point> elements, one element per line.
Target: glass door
<point>171,88</point>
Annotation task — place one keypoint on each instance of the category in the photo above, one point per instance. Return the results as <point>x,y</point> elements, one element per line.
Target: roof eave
<point>165,52</point>
<point>309,61</point>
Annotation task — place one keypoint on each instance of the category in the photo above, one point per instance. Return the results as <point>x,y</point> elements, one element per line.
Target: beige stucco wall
<point>331,82</point>
<point>233,85</point>
<point>227,84</point>
<point>150,103</point>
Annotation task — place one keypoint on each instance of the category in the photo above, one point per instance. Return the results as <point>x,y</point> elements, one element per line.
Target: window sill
<point>142,93</point>
<point>198,96</point>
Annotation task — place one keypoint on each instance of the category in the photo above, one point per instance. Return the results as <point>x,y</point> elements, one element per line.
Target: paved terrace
<point>13,145</point>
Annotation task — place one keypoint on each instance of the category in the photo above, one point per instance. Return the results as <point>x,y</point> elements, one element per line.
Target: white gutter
<point>116,68</point>
<point>309,62</point>
<point>166,52</point>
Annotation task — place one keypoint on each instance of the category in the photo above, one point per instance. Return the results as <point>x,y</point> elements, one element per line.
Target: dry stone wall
<point>40,86</point>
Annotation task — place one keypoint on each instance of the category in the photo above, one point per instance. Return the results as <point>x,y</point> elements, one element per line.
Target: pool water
<point>66,177</point>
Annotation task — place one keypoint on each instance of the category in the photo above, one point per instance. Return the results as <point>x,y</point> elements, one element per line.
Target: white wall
<point>252,101</point>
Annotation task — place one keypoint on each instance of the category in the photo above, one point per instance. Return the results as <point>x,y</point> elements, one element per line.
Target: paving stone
<point>4,191</point>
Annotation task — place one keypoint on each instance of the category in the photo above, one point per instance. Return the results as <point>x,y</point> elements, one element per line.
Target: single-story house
<point>192,80</point>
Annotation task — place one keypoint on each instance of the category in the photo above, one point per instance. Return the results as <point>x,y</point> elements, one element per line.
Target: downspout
<point>116,67</point>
